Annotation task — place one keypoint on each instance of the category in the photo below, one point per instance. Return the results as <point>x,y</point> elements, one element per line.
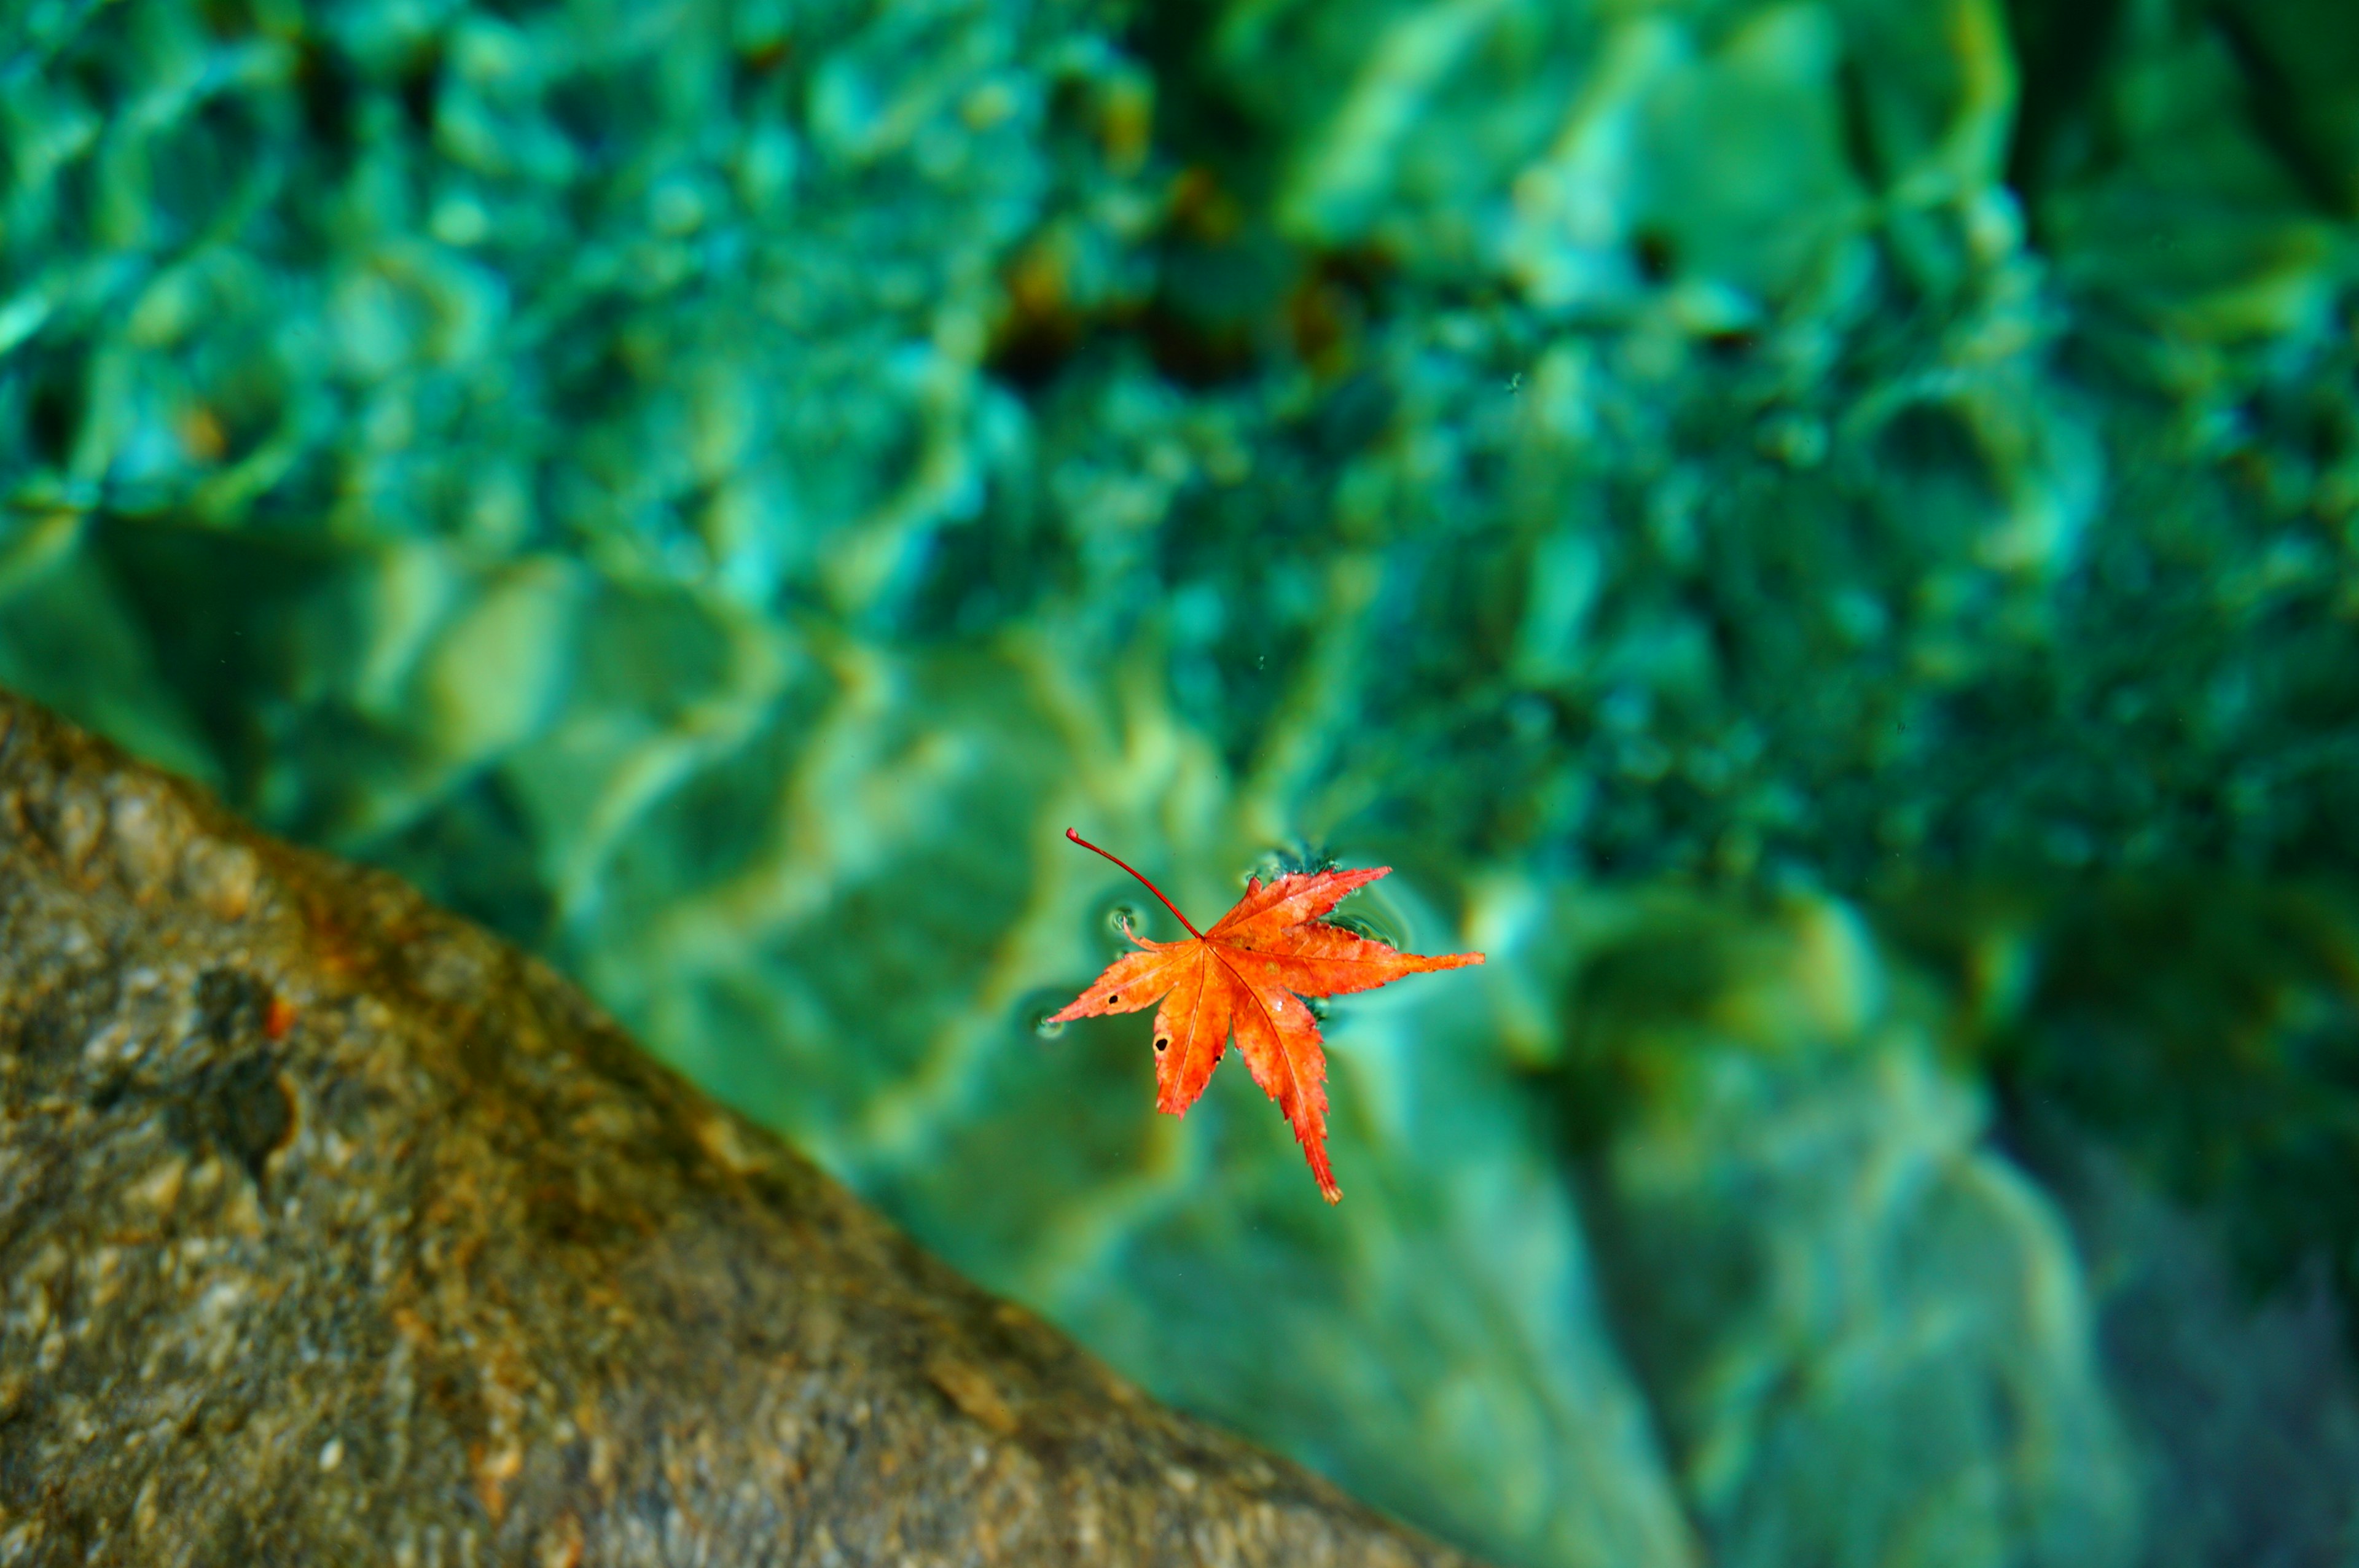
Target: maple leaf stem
<point>1142,881</point>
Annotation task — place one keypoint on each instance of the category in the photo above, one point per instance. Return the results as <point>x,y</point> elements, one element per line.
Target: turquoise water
<point>1817,535</point>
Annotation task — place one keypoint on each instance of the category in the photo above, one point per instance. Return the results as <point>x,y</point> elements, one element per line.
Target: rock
<point>2173,1061</point>
<point>2197,179</point>
<point>1866,1332</point>
<point>334,1230</point>
<point>553,239</point>
<point>1593,154</point>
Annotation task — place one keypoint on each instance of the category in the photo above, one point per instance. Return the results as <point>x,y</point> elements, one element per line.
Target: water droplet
<point>1296,858</point>
<point>1373,921</point>
<point>1036,1010</point>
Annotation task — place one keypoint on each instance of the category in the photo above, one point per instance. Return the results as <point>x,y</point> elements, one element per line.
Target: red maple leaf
<point>1248,975</point>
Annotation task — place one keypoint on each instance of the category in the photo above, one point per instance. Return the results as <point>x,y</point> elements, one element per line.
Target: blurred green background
<point>1819,534</point>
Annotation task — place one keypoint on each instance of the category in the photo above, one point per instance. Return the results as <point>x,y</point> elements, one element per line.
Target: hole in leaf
<point>1113,997</point>
<point>1162,1044</point>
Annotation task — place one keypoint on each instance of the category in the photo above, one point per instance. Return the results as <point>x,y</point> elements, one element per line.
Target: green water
<point>1819,536</point>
